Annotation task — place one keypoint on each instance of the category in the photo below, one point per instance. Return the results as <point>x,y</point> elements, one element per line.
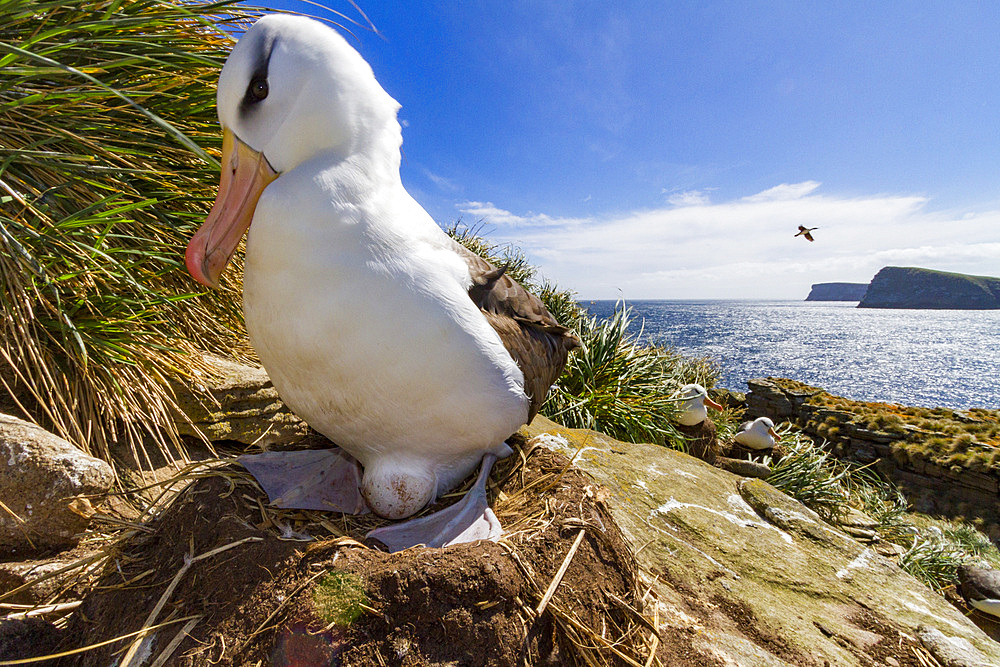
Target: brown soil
<point>748,623</point>
<point>894,647</point>
<point>272,601</point>
<point>263,600</point>
<point>28,638</point>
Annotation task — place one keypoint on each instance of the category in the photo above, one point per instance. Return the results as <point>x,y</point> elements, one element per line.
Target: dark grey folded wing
<point>536,341</point>
<point>979,583</point>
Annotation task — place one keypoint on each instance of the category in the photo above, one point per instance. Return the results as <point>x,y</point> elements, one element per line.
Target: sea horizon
<point>929,358</point>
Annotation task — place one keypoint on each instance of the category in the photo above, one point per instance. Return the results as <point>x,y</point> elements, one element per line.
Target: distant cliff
<point>908,287</point>
<point>837,292</point>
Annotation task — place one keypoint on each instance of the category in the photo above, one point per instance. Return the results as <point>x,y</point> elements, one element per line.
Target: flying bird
<point>414,355</point>
<point>805,231</point>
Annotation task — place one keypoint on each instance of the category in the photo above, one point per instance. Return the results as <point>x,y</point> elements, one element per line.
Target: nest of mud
<point>219,578</point>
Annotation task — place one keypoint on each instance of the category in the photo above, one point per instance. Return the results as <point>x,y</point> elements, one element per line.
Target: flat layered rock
<point>236,402</point>
<point>749,576</point>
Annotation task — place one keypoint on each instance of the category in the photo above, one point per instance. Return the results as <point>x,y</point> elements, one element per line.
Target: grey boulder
<point>48,488</point>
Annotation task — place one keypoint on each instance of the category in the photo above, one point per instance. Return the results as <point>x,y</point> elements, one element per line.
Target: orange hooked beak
<point>774,434</point>
<point>712,404</point>
<point>245,174</point>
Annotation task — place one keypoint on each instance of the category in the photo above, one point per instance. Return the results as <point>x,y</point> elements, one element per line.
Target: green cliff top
<point>969,438</point>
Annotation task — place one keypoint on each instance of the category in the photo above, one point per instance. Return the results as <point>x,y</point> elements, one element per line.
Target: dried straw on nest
<point>526,508</point>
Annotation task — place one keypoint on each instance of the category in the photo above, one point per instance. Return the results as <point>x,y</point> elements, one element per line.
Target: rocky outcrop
<point>47,487</point>
<point>930,486</point>
<point>752,577</point>
<point>236,402</point>
<point>837,292</point>
<point>724,570</point>
<point>35,581</point>
<point>909,287</point>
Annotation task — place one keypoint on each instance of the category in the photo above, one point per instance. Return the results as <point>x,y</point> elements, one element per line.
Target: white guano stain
<point>551,440</point>
<point>748,520</point>
<point>858,563</point>
<point>690,546</point>
<point>17,453</point>
<point>923,609</point>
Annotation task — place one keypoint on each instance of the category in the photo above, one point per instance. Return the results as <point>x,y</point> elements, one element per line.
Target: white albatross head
<point>696,400</point>
<point>291,90</point>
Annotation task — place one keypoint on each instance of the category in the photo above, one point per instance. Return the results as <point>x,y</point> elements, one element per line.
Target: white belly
<point>386,357</point>
<point>693,415</point>
<point>988,606</point>
<point>754,439</point>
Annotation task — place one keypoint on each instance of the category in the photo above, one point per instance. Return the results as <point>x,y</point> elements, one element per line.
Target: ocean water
<point>947,358</point>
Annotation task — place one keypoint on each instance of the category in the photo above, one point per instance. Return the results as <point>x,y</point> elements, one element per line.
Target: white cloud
<point>785,191</point>
<point>488,213</point>
<point>746,248</point>
<point>689,198</point>
<point>440,181</point>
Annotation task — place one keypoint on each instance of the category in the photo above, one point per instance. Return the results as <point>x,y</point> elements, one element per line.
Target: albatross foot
<point>310,479</point>
<point>467,520</point>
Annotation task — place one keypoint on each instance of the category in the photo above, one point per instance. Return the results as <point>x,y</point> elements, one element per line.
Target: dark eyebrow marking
<point>259,73</point>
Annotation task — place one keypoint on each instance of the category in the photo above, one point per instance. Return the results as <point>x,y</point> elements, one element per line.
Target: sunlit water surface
<point>945,358</point>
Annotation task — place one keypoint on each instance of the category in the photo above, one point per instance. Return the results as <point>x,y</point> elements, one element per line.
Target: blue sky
<point>671,149</point>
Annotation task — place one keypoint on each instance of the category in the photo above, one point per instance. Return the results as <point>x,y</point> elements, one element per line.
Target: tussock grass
<point>883,502</point>
<point>968,438</point>
<point>808,473</point>
<point>936,548</point>
<point>831,488</point>
<point>933,560</point>
<point>615,384</point>
<point>973,543</point>
<point>107,134</point>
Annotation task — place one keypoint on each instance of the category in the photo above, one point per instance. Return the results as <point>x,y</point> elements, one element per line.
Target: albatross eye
<point>258,89</point>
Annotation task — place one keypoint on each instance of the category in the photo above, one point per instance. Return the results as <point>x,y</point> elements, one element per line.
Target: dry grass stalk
<point>23,611</point>
<point>575,628</point>
<point>188,562</point>
<point>557,579</point>
<point>181,635</point>
<point>589,646</point>
<point>91,647</point>
<point>654,638</point>
<point>925,658</point>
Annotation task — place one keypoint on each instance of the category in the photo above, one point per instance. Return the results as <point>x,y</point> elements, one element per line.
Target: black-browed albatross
<point>758,434</point>
<point>695,401</point>
<point>408,351</point>
<point>980,586</point>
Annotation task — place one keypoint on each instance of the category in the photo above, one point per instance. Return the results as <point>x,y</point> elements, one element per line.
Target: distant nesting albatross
<point>980,586</point>
<point>758,434</point>
<point>411,353</point>
<point>695,401</point>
